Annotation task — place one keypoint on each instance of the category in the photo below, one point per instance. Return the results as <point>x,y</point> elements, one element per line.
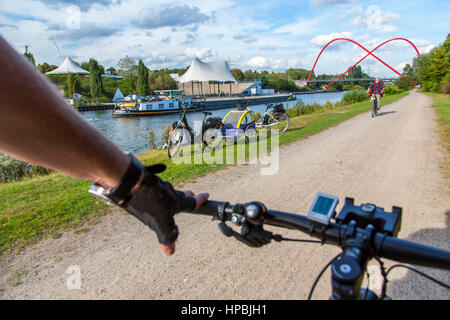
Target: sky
<point>258,35</point>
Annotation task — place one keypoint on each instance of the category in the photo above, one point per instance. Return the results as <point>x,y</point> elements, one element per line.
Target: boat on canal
<point>151,106</point>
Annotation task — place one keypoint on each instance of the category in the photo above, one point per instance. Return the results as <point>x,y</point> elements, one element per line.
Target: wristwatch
<point>119,194</point>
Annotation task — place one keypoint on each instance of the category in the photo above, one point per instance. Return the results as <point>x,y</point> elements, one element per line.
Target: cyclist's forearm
<point>38,126</point>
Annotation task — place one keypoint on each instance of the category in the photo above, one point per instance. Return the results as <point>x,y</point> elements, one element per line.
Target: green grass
<point>441,103</point>
<point>41,207</point>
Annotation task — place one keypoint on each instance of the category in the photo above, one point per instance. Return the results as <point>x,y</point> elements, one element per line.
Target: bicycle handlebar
<point>384,246</point>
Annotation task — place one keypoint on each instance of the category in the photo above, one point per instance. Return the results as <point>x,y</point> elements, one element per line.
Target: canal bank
<point>131,134</point>
<point>208,103</point>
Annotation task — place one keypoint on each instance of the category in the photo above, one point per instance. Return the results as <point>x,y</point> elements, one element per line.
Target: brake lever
<point>229,232</point>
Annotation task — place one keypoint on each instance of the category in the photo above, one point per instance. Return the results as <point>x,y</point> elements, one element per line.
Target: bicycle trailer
<point>237,123</point>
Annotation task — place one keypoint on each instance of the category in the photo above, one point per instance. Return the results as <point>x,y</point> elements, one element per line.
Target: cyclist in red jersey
<point>376,89</point>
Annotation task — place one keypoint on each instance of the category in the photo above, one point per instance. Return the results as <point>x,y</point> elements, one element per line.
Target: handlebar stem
<point>347,272</point>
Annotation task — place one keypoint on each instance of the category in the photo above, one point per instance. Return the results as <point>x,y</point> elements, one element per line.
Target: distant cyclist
<point>376,89</point>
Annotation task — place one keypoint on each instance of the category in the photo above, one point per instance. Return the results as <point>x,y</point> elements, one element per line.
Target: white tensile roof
<point>201,71</point>
<point>68,66</point>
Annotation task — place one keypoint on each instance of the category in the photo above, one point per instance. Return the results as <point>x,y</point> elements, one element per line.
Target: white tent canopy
<point>118,95</point>
<point>68,66</point>
<point>201,71</point>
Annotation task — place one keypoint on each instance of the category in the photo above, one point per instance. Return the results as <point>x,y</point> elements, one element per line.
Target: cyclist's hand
<point>155,202</point>
<point>200,199</point>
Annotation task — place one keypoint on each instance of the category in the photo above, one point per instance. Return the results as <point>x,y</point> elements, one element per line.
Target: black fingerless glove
<point>155,202</point>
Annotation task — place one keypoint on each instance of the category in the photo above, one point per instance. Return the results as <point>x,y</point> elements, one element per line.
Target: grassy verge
<point>441,103</point>
<point>42,207</point>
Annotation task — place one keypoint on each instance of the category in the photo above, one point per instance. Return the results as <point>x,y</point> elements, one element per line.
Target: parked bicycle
<point>275,119</point>
<point>363,232</point>
<point>182,134</point>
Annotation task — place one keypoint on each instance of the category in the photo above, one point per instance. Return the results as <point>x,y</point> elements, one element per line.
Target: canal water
<point>131,134</point>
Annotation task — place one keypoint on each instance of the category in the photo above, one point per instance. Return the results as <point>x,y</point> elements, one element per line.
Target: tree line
<point>285,81</point>
<point>137,78</point>
<point>430,70</point>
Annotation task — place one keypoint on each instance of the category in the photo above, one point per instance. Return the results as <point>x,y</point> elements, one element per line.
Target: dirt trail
<point>389,160</point>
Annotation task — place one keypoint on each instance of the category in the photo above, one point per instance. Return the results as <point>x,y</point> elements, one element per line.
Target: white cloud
<point>323,39</point>
<point>85,5</point>
<point>302,26</point>
<point>427,49</point>
<point>377,20</point>
<point>321,3</point>
<point>206,54</point>
<point>176,16</point>
<point>260,62</point>
<point>245,38</point>
<point>349,12</point>
<point>401,66</point>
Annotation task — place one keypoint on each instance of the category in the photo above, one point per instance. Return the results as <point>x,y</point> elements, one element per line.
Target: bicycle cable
<point>320,275</point>
<point>368,282</point>
<point>279,238</point>
<point>423,274</point>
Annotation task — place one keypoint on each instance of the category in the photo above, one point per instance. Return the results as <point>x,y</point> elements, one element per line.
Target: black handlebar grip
<point>210,208</point>
<point>411,252</point>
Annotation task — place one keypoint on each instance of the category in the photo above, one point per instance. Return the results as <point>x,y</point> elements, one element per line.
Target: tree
<point>128,68</point>
<point>29,56</point>
<point>85,65</point>
<point>297,74</point>
<point>250,75</point>
<point>404,82</point>
<point>408,71</point>
<point>238,74</point>
<point>45,67</point>
<point>73,84</point>
<point>433,68</point>
<point>142,80</point>
<point>111,71</point>
<point>95,79</point>
<point>163,81</point>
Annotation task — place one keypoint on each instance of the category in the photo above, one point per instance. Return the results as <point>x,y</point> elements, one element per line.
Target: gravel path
<point>389,160</point>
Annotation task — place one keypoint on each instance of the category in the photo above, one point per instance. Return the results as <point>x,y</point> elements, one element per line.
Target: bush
<point>300,109</point>
<point>392,89</point>
<point>12,169</point>
<point>255,116</point>
<point>152,139</point>
<point>404,82</point>
<point>328,106</point>
<point>355,96</point>
<point>165,134</point>
<point>446,84</point>
<point>446,88</point>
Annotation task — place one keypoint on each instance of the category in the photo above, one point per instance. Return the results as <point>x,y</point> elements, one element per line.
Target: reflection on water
<point>131,134</point>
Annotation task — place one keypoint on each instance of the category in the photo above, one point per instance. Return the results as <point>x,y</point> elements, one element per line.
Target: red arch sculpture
<point>368,53</point>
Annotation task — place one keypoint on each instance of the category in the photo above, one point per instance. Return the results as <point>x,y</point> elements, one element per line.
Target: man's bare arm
<point>38,126</point>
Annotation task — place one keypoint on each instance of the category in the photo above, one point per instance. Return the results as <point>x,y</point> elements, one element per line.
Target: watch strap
<point>130,178</point>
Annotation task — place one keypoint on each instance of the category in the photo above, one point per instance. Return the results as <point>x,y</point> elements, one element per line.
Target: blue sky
<point>260,35</point>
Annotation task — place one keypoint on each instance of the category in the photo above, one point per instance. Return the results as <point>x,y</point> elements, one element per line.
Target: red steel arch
<point>368,53</point>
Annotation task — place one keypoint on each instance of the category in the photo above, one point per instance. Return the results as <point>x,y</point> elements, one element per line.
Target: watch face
<point>100,193</point>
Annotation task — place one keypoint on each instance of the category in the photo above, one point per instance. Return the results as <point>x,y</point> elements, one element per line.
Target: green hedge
<point>12,169</point>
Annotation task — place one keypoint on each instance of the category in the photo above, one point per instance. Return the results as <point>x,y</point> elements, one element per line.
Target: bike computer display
<point>323,208</point>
